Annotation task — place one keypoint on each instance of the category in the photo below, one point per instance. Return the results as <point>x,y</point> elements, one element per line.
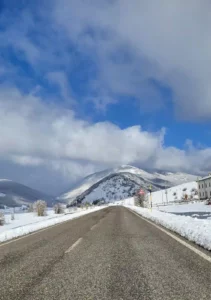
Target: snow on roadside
<point>7,232</point>
<point>190,207</point>
<point>195,230</point>
<point>129,201</point>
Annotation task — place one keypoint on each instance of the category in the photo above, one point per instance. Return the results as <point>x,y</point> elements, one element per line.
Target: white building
<point>204,187</point>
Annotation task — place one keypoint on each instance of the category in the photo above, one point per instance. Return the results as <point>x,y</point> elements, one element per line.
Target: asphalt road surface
<point>111,254</point>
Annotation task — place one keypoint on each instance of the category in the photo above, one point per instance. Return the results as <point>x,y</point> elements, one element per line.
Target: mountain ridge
<point>16,194</point>
<point>141,177</point>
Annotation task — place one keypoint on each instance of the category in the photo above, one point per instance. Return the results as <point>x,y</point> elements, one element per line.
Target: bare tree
<point>58,208</point>
<point>87,205</point>
<point>139,199</point>
<point>30,208</point>
<point>2,219</point>
<point>40,208</point>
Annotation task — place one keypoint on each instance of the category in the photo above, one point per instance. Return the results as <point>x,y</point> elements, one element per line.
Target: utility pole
<point>150,193</point>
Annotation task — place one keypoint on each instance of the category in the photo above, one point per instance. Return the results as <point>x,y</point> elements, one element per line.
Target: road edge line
<point>179,240</point>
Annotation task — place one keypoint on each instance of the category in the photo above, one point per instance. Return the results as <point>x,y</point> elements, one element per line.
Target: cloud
<point>34,134</point>
<point>31,128</point>
<point>115,50</point>
<point>169,41</point>
<point>44,136</point>
<point>128,46</point>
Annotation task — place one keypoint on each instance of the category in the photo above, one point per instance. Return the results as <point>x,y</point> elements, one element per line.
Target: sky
<point>90,85</point>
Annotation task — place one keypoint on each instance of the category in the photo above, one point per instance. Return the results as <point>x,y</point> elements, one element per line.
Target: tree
<point>58,208</point>
<point>2,219</point>
<point>30,208</point>
<point>40,208</point>
<point>95,202</point>
<point>86,205</point>
<point>185,196</point>
<point>139,199</point>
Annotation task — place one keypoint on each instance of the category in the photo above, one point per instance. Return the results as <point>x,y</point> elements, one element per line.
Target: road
<point>111,254</point>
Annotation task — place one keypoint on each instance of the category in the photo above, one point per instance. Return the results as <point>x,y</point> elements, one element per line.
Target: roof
<point>204,178</point>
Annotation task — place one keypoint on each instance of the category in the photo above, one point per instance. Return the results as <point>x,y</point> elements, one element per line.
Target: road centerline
<point>74,245</point>
<point>93,227</point>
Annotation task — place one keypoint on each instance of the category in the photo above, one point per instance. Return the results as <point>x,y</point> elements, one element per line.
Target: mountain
<point>16,194</point>
<point>121,182</point>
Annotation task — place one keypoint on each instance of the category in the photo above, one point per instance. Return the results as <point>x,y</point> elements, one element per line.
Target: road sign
<point>141,192</point>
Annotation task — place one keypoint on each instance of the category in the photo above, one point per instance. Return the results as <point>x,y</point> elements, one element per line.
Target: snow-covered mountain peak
<point>123,181</point>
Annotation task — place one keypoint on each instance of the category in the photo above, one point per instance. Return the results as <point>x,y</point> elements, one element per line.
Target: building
<point>204,187</point>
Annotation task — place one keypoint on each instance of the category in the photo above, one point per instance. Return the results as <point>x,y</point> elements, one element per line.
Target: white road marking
<point>197,251</point>
<point>74,245</point>
<point>93,227</point>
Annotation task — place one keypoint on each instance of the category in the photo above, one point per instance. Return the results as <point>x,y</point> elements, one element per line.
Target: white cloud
<point>131,44</point>
<point>31,128</point>
<point>173,37</point>
<point>35,134</point>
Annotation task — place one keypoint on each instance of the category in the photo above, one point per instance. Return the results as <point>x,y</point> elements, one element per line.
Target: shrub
<point>30,208</point>
<point>40,208</point>
<point>2,219</point>
<point>174,194</point>
<point>185,189</point>
<point>86,204</point>
<point>186,197</point>
<point>58,208</point>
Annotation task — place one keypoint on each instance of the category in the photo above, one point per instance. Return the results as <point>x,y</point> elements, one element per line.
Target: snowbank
<point>129,201</point>
<point>183,208</point>
<point>26,223</point>
<point>195,230</point>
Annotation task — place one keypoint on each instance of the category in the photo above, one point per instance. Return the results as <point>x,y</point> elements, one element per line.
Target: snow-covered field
<point>25,223</point>
<point>183,208</point>
<point>192,228</point>
<point>194,210</point>
<point>175,194</point>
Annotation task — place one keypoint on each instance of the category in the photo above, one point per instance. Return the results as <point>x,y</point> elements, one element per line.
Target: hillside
<point>121,182</point>
<point>176,193</point>
<point>16,194</point>
<point>111,188</point>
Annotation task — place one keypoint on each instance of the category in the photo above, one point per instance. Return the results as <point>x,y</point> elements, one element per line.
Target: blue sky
<point>87,87</point>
